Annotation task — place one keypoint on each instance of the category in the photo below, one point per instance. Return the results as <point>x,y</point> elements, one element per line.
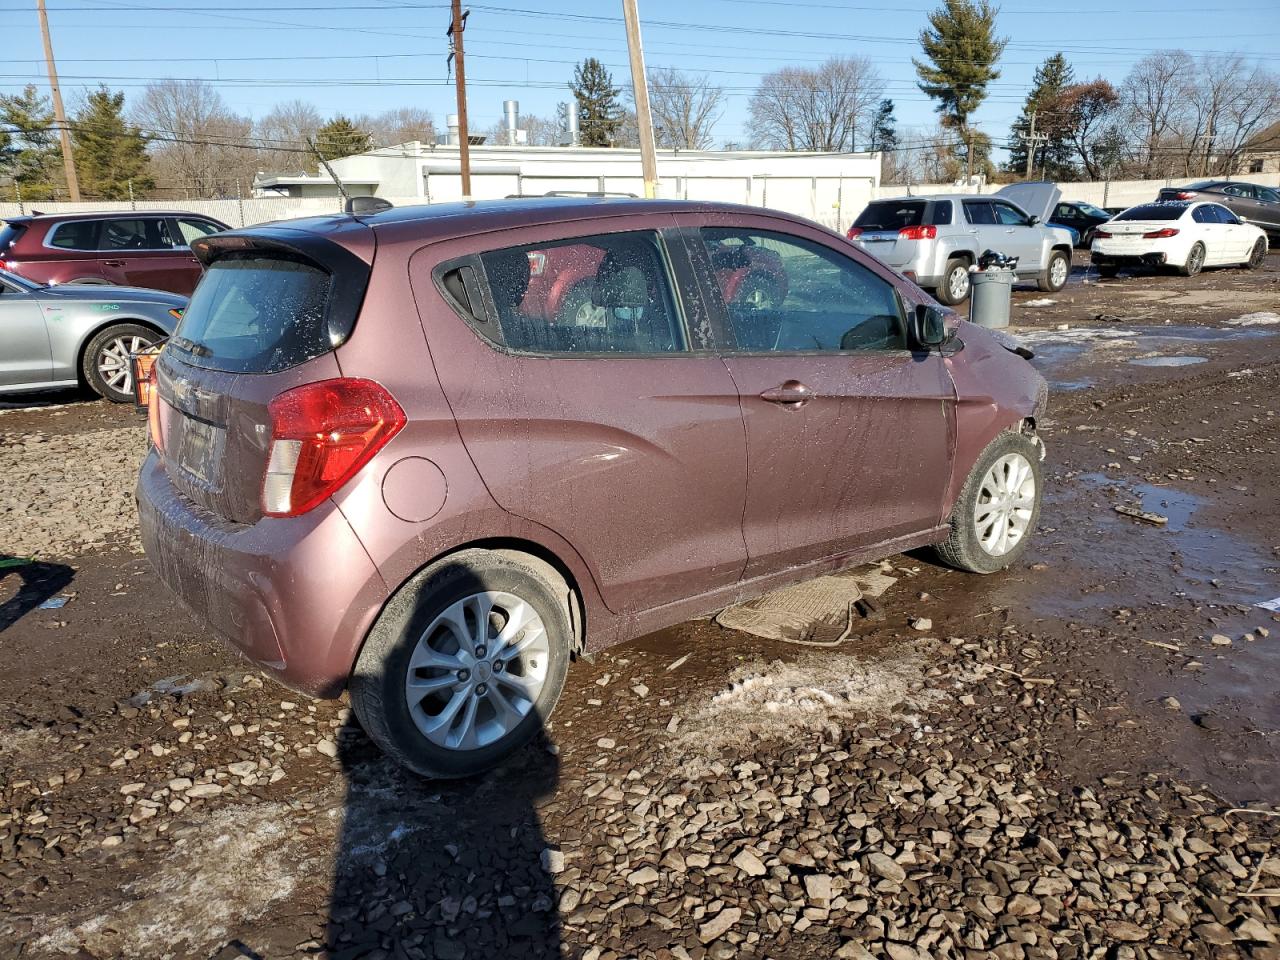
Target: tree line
<point>1172,115</point>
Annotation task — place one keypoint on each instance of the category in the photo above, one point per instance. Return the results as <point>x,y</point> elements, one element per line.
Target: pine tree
<point>341,138</point>
<point>884,133</point>
<point>962,48</point>
<point>599,111</point>
<point>1053,156</point>
<point>110,153</point>
<point>31,159</point>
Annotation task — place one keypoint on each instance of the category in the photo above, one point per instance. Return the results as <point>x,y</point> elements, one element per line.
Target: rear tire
<point>955,282</point>
<point>453,725</point>
<point>106,366</point>
<point>1056,272</point>
<point>1257,254</point>
<point>1195,261</point>
<point>998,508</point>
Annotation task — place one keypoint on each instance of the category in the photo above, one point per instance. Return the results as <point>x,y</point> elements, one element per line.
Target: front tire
<point>1195,261</point>
<point>1257,254</point>
<point>955,283</point>
<point>464,664</point>
<point>1107,272</point>
<point>106,365</point>
<point>998,508</point>
<point>1056,272</point>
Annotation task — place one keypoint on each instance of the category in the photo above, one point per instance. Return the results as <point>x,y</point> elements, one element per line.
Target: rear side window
<point>601,294</point>
<point>1238,190</point>
<point>125,235</point>
<point>892,215</point>
<point>256,313</point>
<point>195,229</point>
<point>941,213</point>
<point>10,234</point>
<point>1154,211</point>
<point>979,212</point>
<point>75,235</point>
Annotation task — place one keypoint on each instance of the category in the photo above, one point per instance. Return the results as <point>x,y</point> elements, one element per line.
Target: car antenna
<point>346,198</point>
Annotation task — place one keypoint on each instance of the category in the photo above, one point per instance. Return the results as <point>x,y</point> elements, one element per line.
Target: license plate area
<point>201,448</point>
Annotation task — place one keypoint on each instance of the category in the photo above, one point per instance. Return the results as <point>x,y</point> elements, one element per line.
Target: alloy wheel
<point>477,670</point>
<point>958,283</point>
<point>1059,271</point>
<point>1005,504</point>
<point>113,361</point>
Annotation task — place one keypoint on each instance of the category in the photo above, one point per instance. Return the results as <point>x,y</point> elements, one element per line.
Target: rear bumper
<point>1154,259</point>
<point>294,595</point>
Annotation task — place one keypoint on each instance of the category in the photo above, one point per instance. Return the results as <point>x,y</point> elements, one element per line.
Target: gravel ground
<point>64,493</point>
<point>1079,759</point>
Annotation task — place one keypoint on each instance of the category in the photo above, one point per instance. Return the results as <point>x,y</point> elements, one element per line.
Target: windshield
<point>891,215</point>
<point>1154,211</point>
<point>256,313</point>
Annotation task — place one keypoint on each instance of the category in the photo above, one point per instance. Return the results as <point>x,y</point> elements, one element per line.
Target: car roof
<point>38,217</point>
<point>463,218</point>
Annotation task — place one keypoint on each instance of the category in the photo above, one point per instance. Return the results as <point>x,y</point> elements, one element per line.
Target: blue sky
<point>357,56</point>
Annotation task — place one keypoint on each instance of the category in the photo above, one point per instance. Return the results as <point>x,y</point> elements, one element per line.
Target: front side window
<point>1010,216</point>
<point>1264,193</point>
<point>979,212</point>
<point>1223,215</point>
<point>590,295</point>
<point>75,235</point>
<point>787,294</point>
<point>120,236</point>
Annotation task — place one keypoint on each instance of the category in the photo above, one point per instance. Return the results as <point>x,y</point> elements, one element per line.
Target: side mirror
<point>1242,219</point>
<point>929,327</point>
<point>1033,221</point>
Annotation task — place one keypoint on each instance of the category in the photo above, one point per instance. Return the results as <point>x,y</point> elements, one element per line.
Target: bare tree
<point>199,146</point>
<point>822,108</point>
<point>1151,97</point>
<point>284,132</point>
<point>1086,112</point>
<point>685,107</point>
<point>401,125</point>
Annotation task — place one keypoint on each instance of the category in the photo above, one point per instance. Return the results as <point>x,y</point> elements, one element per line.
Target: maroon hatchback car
<point>135,249</point>
<point>374,469</point>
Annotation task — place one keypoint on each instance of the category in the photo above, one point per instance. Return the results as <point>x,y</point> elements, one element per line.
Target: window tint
<point>891,215</point>
<point>979,212</point>
<point>195,229</point>
<point>1238,190</point>
<point>1266,194</point>
<point>120,235</point>
<point>785,293</point>
<point>942,213</point>
<point>1063,212</point>
<point>1010,216</point>
<point>602,294</point>
<point>1223,215</point>
<point>1154,211</point>
<point>75,235</point>
<point>256,314</point>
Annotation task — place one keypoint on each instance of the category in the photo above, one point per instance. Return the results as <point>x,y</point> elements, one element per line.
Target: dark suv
<point>135,249</point>
<point>377,466</point>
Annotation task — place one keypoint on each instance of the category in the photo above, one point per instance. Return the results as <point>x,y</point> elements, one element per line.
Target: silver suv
<point>933,240</point>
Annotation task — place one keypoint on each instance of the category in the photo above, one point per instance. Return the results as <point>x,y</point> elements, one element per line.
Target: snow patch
<point>1077,335</point>
<point>1262,318</point>
<point>776,701</point>
<point>1042,302</point>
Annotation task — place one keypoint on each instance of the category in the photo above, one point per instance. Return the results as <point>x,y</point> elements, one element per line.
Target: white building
<point>815,185</point>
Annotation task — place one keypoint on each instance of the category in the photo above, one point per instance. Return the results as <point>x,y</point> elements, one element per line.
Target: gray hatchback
<point>934,240</point>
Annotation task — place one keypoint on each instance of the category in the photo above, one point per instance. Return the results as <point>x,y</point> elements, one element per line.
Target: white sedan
<point>1185,235</point>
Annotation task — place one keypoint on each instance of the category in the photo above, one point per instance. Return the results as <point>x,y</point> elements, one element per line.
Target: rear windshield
<point>1154,211</point>
<point>9,235</point>
<point>892,215</point>
<point>256,313</point>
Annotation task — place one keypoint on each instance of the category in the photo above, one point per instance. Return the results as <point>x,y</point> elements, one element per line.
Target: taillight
<point>927,232</point>
<point>854,233</point>
<point>1185,195</point>
<point>153,408</point>
<point>1101,235</point>
<point>321,435</point>
<point>1161,234</point>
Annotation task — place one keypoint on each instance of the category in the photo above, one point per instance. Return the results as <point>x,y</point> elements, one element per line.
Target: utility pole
<point>68,160</point>
<point>456,27</point>
<point>640,83</point>
<point>968,157</point>
<point>1031,139</point>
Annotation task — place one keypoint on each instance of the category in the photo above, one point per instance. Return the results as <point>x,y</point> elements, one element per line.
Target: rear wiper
<point>195,349</point>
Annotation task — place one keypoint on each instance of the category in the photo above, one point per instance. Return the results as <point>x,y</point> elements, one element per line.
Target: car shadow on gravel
<point>443,868</point>
<point>25,584</point>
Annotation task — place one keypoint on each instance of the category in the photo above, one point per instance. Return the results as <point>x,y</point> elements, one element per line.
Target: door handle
<point>114,263</point>
<point>793,395</point>
<point>195,260</point>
